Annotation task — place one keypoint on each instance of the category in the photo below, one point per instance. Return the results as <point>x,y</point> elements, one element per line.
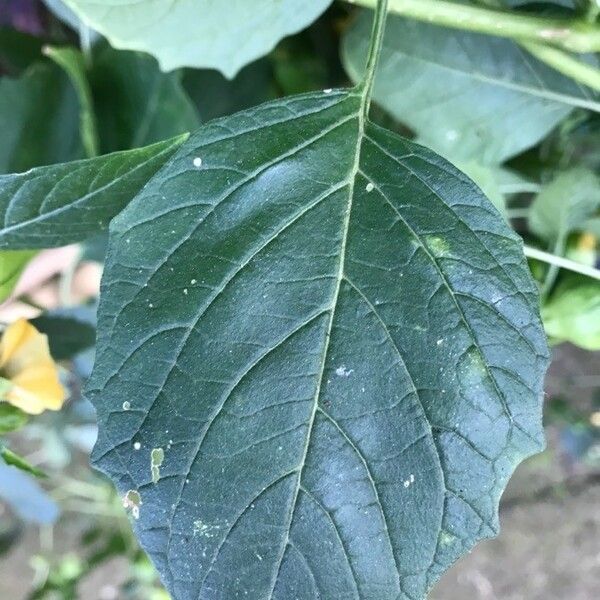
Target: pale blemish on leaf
<point>132,501</point>
<point>157,457</point>
<point>446,538</point>
<point>437,246</point>
<point>206,530</point>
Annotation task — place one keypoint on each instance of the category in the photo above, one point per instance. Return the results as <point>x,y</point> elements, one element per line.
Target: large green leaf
<point>137,104</point>
<point>38,119</point>
<point>66,203</point>
<point>322,342</point>
<point>199,33</point>
<point>469,96</point>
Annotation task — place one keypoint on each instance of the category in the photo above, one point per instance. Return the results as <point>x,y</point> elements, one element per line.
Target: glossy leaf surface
<point>61,204</point>
<point>317,378</point>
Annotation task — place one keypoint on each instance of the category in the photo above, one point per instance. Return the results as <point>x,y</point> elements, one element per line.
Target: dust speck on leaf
<point>343,372</point>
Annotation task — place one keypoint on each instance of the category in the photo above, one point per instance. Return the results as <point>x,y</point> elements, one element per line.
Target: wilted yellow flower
<point>28,375</point>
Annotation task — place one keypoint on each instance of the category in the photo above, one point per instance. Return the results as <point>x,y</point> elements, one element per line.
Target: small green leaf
<point>69,331</point>
<point>12,264</point>
<point>137,104</point>
<point>73,63</point>
<point>38,119</point>
<point>468,96</point>
<point>62,204</point>
<point>573,312</point>
<point>11,418</point>
<point>565,204</point>
<point>195,33</point>
<point>329,339</point>
<point>18,50</point>
<point>13,459</point>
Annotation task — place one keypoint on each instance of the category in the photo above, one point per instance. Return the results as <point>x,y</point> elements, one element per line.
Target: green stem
<point>575,35</point>
<point>377,33</point>
<point>564,63</point>
<point>561,262</point>
<point>557,251</point>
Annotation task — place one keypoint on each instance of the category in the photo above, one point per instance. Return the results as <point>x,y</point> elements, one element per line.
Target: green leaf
<point>38,119</point>
<point>573,312</point>
<point>73,63</point>
<point>12,264</point>
<point>11,418</point>
<point>69,331</point>
<point>194,33</point>
<point>62,204</point>
<point>565,204</point>
<point>468,96</point>
<point>136,104</point>
<point>18,50</point>
<point>334,339</point>
<point>216,96</point>
<point>14,460</point>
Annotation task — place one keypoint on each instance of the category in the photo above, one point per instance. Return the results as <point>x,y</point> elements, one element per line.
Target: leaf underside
<point>467,95</point>
<point>333,338</point>
<point>196,33</point>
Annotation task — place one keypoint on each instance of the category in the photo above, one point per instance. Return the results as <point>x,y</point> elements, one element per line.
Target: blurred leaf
<point>38,119</point>
<point>468,96</point>
<point>18,50</point>
<point>73,63</point>
<point>573,312</point>
<point>565,204</point>
<point>195,33</point>
<point>95,248</point>
<point>487,180</point>
<point>14,460</point>
<point>215,96</point>
<point>69,331</point>
<point>11,418</point>
<point>137,104</point>
<point>67,203</point>
<point>592,225</point>
<point>67,16</point>
<point>12,264</point>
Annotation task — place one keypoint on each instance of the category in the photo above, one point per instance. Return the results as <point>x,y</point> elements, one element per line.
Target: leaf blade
<point>293,312</point>
<point>468,96</point>
<point>66,203</point>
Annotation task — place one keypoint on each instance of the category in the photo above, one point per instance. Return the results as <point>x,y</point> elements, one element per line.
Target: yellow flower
<point>28,375</point>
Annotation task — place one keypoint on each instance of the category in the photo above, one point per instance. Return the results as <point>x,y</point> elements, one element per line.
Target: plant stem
<point>517,213</point>
<point>377,33</point>
<point>562,263</point>
<point>575,35</point>
<point>564,63</point>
